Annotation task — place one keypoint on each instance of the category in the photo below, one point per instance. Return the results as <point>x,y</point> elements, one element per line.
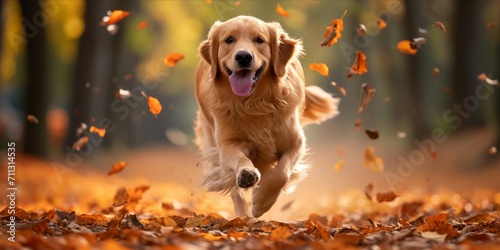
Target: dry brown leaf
<point>367,93</point>
<point>32,119</point>
<point>281,11</point>
<point>339,165</point>
<point>121,197</point>
<point>386,197</point>
<point>320,68</point>
<point>435,71</point>
<point>280,234</point>
<point>334,32</point>
<point>372,161</point>
<point>486,79</point>
<point>440,25</point>
<point>361,30</point>
<point>491,24</point>
<point>360,65</point>
<point>339,88</point>
<point>440,227</point>
<point>117,167</point>
<point>357,124</point>
<point>369,191</point>
<point>287,205</point>
<point>80,143</point>
<point>172,59</point>
<point>372,134</point>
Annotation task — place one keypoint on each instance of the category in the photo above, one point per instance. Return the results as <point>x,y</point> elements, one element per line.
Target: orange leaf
<point>280,234</point>
<point>339,88</point>
<point>320,68</point>
<point>366,96</point>
<point>368,191</point>
<point>485,78</point>
<point>114,17</point>
<point>172,59</point>
<point>360,65</point>
<point>281,11</point>
<point>386,197</point>
<point>100,131</point>
<point>409,47</point>
<point>142,25</point>
<point>32,119</point>
<point>121,197</point>
<point>118,167</point>
<point>435,71</point>
<point>492,150</point>
<point>80,143</point>
<point>372,161</point>
<point>381,24</point>
<point>491,24</point>
<point>440,25</point>
<point>154,104</point>
<point>339,165</point>
<point>333,33</point>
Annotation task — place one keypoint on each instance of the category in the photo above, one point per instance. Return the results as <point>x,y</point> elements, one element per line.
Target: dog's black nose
<point>244,58</point>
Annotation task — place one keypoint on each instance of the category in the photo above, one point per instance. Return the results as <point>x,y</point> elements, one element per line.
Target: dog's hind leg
<point>240,204</point>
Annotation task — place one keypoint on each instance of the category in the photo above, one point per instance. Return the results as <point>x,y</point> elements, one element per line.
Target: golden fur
<point>256,140</point>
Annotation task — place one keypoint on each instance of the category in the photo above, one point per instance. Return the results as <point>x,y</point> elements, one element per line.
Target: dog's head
<point>245,49</point>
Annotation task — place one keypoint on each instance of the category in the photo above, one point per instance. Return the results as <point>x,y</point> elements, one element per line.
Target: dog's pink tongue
<point>241,82</point>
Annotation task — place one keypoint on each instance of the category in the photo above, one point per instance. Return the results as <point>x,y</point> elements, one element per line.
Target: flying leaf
<point>339,88</point>
<point>154,105</point>
<point>401,135</point>
<point>367,93</point>
<point>287,206</point>
<point>357,124</point>
<point>114,17</point>
<point>435,71</point>
<point>386,197</point>
<point>142,25</point>
<point>100,131</point>
<point>381,24</point>
<point>81,129</point>
<point>361,30</point>
<point>121,197</point>
<point>372,161</point>
<point>80,143</point>
<point>32,119</point>
<point>172,59</point>
<point>368,191</point>
<point>411,47</point>
<point>281,11</point>
<point>492,150</point>
<point>333,33</point>
<point>440,25</point>
<point>360,65</point>
<point>339,165</point>
<point>486,79</point>
<point>372,134</point>
<point>320,68</point>
<point>491,24</point>
<point>117,167</point>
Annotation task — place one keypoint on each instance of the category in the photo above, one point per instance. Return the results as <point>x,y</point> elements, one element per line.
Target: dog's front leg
<point>266,194</point>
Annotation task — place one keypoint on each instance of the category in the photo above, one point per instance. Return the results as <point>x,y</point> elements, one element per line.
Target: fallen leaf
<point>342,91</point>
<point>381,24</point>
<point>372,134</point>
<point>113,17</point>
<point>411,47</point>
<point>122,94</point>
<point>486,79</point>
<point>320,68</point>
<point>440,25</point>
<point>437,217</point>
<point>287,206</point>
<point>367,93</point>
<point>368,191</point>
<point>142,25</point>
<point>100,131</point>
<point>439,227</point>
<point>121,197</point>
<point>360,65</point>
<point>361,30</point>
<point>372,161</point>
<point>133,218</point>
<point>172,59</point>
<point>339,165</point>
<point>32,119</point>
<point>69,217</point>
<point>81,129</point>
<point>333,33</point>
<point>80,143</point>
<point>357,124</point>
<point>434,236</point>
<point>435,71</point>
<point>117,167</point>
<point>492,150</point>
<point>154,105</point>
<point>281,11</point>
<point>491,24</point>
<point>386,197</point>
<point>280,234</point>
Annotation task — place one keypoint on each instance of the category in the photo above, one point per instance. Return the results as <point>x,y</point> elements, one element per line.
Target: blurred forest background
<point>59,64</point>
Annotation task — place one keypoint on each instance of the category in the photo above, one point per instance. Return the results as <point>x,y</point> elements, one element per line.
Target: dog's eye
<point>259,40</point>
<point>229,40</point>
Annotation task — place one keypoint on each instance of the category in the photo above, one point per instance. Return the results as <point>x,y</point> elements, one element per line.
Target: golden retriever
<point>253,105</point>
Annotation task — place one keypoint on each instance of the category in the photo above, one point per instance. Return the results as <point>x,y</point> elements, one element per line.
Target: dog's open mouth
<point>243,81</point>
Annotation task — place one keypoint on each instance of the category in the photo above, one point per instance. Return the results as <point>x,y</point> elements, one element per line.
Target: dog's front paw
<point>248,177</point>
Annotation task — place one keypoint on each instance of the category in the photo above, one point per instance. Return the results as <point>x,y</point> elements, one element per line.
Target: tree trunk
<point>36,94</point>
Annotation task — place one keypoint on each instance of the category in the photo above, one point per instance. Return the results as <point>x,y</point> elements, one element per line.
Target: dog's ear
<point>283,48</point>
<point>210,48</point>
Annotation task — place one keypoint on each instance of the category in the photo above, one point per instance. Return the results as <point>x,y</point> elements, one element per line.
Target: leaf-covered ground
<point>96,211</point>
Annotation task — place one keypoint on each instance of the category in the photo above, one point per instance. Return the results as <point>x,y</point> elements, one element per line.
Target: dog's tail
<point>319,107</point>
